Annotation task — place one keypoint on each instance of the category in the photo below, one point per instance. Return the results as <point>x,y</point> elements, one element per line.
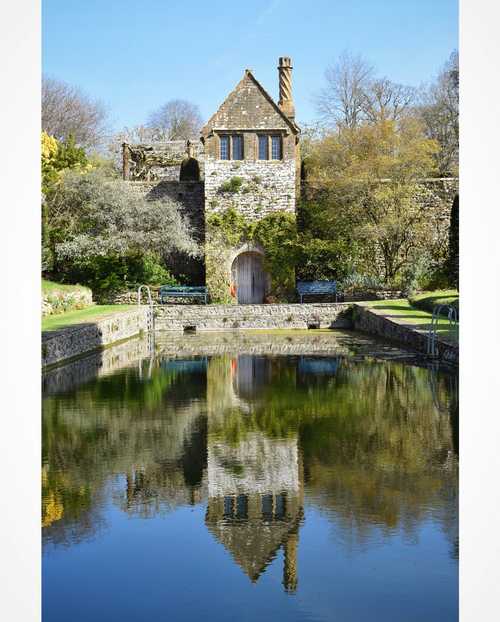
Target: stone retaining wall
<point>375,324</point>
<point>231,317</point>
<point>66,343</point>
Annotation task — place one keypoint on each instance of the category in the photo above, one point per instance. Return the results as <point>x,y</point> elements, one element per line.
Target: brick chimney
<point>285,76</point>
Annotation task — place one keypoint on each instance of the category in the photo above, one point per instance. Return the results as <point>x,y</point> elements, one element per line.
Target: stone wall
<point>368,322</point>
<point>267,186</point>
<point>434,195</point>
<point>66,343</point>
<point>231,317</point>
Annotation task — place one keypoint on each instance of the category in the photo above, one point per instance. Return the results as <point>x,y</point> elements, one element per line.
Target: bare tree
<point>66,110</point>
<point>139,134</point>
<point>385,100</point>
<point>342,100</point>
<point>178,119</point>
<point>440,113</point>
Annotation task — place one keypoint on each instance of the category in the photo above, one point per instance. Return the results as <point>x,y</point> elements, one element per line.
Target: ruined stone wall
<point>160,160</point>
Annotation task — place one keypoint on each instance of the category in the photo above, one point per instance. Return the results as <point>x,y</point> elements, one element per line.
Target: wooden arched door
<point>249,278</point>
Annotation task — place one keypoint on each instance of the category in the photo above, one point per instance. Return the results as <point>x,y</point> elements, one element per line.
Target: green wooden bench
<point>182,291</point>
<point>318,288</point>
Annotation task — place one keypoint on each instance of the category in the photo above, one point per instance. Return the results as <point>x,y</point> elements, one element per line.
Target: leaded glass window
<point>263,147</point>
<point>276,147</point>
<point>224,147</point>
<point>237,151</point>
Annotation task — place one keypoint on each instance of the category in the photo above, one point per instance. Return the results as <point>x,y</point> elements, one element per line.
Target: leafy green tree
<point>369,200</point>
<point>57,156</point>
<point>107,236</point>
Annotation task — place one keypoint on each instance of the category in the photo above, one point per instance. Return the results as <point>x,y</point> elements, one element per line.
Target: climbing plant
<point>276,233</point>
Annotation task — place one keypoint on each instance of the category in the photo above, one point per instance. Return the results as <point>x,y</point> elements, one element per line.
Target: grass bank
<point>402,311</point>
<point>428,300</point>
<point>89,314</point>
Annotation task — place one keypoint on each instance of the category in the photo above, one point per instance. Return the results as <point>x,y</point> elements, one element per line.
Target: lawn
<point>428,300</point>
<point>89,314</point>
<point>403,312</point>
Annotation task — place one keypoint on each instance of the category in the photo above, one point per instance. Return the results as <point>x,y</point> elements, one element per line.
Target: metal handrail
<point>151,319</point>
<point>150,299</point>
<point>432,334</point>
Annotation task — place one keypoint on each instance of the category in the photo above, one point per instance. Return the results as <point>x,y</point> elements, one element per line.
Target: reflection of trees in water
<point>121,425</point>
<point>385,461</point>
<point>376,451</point>
<point>445,393</point>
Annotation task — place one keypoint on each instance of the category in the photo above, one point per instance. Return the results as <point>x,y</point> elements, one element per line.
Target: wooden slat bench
<point>318,288</point>
<point>182,291</point>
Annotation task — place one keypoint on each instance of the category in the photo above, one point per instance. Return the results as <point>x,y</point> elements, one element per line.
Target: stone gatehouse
<point>243,170</point>
<point>247,160</point>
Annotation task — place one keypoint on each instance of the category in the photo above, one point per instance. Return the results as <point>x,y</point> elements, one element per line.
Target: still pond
<point>250,478</point>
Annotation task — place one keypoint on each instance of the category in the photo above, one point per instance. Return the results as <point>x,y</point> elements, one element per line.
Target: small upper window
<point>224,147</point>
<point>263,147</point>
<point>237,147</point>
<point>276,147</point>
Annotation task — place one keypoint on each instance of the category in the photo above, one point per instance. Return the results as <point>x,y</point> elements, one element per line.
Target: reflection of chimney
<point>285,76</point>
<point>290,567</point>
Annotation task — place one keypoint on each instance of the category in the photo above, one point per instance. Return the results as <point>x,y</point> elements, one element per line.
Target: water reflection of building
<point>255,484</point>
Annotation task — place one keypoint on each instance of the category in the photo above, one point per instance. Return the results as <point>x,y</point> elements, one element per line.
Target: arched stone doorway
<point>249,277</point>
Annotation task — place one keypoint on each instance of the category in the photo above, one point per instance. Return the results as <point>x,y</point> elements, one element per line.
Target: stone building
<point>247,161</point>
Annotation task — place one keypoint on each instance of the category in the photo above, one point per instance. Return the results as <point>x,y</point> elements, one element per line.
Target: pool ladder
<point>432,333</point>
<point>150,317</point>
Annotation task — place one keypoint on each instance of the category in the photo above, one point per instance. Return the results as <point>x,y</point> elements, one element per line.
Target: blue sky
<point>136,55</point>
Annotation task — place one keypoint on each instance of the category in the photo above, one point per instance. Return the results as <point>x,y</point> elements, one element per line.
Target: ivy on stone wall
<point>276,233</point>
